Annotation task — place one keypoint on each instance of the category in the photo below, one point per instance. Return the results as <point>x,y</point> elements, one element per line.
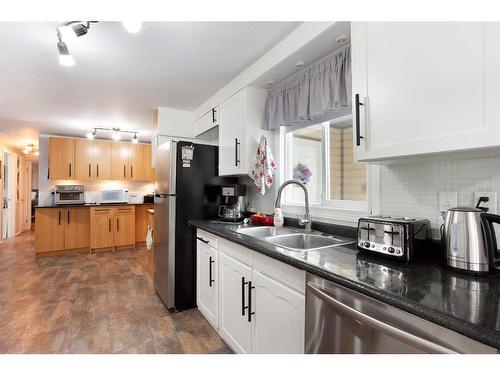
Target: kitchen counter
<point>90,205</point>
<point>465,304</point>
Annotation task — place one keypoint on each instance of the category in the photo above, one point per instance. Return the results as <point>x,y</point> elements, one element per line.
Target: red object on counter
<point>262,220</point>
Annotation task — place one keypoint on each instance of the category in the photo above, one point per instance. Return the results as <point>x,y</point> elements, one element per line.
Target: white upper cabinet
<point>425,87</point>
<point>241,123</point>
<point>206,122</point>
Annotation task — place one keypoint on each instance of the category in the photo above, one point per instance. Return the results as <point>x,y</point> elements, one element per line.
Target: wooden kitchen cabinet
<point>426,87</point>
<point>120,164</point>
<point>92,160</point>
<point>77,228</point>
<point>142,221</point>
<point>124,231</point>
<point>49,230</point>
<point>207,283</point>
<point>61,158</point>
<point>241,122</point>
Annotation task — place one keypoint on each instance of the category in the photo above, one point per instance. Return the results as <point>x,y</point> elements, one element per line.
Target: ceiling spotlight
<point>116,136</point>
<point>36,153</point>
<point>91,134</point>
<point>342,39</point>
<point>65,58</point>
<point>269,83</point>
<point>135,139</point>
<point>132,26</point>
<point>300,64</point>
<point>29,148</point>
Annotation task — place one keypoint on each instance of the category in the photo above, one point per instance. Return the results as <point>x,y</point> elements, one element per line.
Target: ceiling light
<point>65,58</point>
<point>342,39</point>
<point>36,153</point>
<point>269,83</point>
<point>135,139</point>
<point>132,26</point>
<point>116,136</point>
<point>29,148</point>
<point>91,135</point>
<point>300,64</point>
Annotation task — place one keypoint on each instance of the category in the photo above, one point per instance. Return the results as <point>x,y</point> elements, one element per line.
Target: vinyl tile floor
<point>99,303</point>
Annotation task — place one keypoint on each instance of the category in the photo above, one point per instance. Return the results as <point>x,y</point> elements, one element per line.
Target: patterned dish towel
<point>263,167</point>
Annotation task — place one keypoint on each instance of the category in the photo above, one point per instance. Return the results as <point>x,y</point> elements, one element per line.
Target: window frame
<point>329,209</point>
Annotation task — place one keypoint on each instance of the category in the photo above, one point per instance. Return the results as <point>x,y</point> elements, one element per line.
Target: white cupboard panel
<point>208,283</point>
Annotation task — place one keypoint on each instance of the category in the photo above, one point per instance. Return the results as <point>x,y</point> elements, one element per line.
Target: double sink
<point>295,239</point>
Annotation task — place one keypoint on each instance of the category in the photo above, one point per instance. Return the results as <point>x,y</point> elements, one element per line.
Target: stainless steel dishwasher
<point>339,320</point>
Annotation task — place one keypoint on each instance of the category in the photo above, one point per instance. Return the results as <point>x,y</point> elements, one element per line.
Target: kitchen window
<point>321,155</point>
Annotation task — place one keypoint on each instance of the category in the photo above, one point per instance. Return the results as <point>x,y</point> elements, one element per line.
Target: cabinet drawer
<point>124,210</point>
<point>279,271</point>
<point>100,211</point>
<point>236,251</point>
<point>203,236</point>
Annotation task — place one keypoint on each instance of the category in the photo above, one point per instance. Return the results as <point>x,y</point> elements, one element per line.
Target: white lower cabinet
<point>260,300</point>
<point>234,327</point>
<point>207,283</point>
<point>278,320</point>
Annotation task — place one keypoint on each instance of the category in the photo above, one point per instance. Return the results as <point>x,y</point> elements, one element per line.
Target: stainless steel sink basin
<point>263,232</point>
<point>306,242</point>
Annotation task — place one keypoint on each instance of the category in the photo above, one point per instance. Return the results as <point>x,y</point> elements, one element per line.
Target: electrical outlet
<point>492,202</point>
<point>447,200</point>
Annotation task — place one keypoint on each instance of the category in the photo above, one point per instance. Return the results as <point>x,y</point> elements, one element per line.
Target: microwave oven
<point>69,194</point>
<point>113,196</point>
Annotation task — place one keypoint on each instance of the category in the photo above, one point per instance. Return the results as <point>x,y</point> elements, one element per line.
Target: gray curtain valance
<point>313,95</point>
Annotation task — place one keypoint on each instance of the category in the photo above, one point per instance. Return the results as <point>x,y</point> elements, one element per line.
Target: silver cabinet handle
<point>415,341</point>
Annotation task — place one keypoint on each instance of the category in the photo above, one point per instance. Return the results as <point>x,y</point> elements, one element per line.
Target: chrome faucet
<point>307,220</point>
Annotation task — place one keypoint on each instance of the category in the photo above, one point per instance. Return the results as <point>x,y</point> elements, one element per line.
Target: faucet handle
<point>304,221</point>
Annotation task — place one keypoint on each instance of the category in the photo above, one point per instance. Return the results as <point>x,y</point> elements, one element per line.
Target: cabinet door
<point>101,227</point>
<point>147,163</point>
<point>136,161</point>
<point>124,221</point>
<point>49,229</point>
<point>142,221</point>
<point>207,283</point>
<point>278,319</point>
<point>84,159</point>
<point>102,160</point>
<point>119,159</point>
<point>234,326</point>
<point>231,135</point>
<point>77,228</point>
<point>423,87</point>
<point>61,158</point>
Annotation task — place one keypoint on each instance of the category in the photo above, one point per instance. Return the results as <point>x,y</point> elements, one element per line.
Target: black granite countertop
<point>465,304</point>
<point>89,205</point>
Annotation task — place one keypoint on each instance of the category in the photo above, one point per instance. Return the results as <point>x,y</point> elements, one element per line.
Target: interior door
<point>207,282</point>
<point>278,320</point>
<point>423,86</point>
<point>77,228</point>
<point>101,227</point>
<point>124,233</point>
<point>102,160</point>
<point>84,159</point>
<point>231,135</point>
<point>119,157</point>
<point>234,328</point>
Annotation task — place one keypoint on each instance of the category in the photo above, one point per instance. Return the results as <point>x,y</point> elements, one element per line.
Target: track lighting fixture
<point>31,149</point>
<point>116,133</point>
<point>65,58</point>
<point>67,32</point>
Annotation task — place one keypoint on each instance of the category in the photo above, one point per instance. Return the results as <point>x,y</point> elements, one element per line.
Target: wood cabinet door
<point>120,161</point>
<point>136,162</point>
<point>77,228</point>
<point>142,221</point>
<point>84,159</point>
<point>102,160</point>
<point>207,282</point>
<point>231,135</point>
<point>124,226</point>
<point>61,158</point>
<point>101,227</point>
<point>234,326</point>
<point>278,319</point>
<point>148,173</point>
<point>49,229</point>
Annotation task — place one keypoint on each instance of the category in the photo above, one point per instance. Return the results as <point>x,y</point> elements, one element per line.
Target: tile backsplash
<point>412,189</point>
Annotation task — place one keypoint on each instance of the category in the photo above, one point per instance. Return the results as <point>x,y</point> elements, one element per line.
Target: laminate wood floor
<point>99,303</point>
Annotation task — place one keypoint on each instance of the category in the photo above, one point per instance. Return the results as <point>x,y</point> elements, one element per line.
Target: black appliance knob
<point>391,250</point>
<point>367,244</point>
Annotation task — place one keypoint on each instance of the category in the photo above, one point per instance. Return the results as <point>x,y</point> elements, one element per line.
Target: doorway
<point>9,191</point>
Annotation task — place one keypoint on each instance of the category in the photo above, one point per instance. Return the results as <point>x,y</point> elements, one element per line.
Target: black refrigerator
<point>187,187</point>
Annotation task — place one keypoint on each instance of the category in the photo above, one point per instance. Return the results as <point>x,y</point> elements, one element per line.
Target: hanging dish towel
<point>263,167</point>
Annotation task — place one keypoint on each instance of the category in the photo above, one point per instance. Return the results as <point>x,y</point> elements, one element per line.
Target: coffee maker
<point>233,205</point>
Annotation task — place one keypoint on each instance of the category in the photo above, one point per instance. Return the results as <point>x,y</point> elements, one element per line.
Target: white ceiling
<point>119,78</point>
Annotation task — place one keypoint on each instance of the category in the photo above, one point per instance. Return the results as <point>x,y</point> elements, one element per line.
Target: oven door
<point>339,320</point>
<point>69,197</point>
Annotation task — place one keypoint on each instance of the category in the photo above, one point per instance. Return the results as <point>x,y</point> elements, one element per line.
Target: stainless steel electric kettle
<point>469,240</point>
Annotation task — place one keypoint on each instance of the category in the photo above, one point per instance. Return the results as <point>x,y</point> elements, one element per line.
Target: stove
<point>397,237</point>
